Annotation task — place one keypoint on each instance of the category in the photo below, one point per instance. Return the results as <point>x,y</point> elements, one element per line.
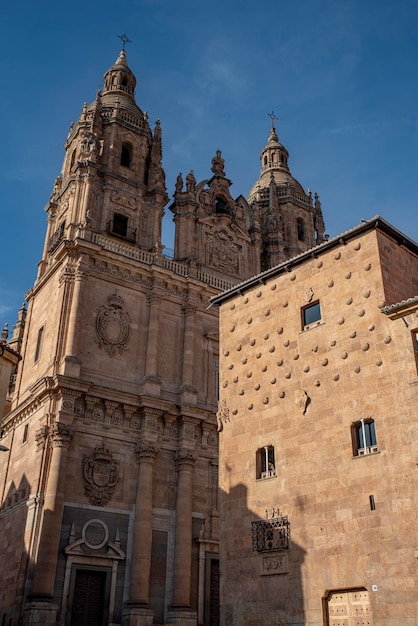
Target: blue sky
<point>341,76</point>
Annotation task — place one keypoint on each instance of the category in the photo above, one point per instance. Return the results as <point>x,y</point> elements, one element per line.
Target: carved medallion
<point>100,476</point>
<point>112,325</point>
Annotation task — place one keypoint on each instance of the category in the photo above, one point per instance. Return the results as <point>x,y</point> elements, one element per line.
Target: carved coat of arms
<point>100,476</point>
<point>112,325</point>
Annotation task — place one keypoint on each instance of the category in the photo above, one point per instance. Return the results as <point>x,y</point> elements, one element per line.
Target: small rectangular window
<point>265,464</point>
<point>415,345</point>
<point>364,437</point>
<point>120,224</point>
<point>311,315</point>
<point>39,343</point>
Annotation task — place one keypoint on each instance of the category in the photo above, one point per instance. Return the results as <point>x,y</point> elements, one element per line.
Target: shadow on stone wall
<point>258,587</point>
<point>14,556</point>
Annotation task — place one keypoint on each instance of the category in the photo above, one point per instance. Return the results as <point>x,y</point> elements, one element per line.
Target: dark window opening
<point>120,224</point>
<point>364,437</point>
<point>125,156</point>
<point>415,345</point>
<point>301,229</point>
<point>72,159</point>
<point>124,81</point>
<point>25,433</point>
<point>311,315</point>
<point>39,342</point>
<point>265,464</point>
<point>220,206</point>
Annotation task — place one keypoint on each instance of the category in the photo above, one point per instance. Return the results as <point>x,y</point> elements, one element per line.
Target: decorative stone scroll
<point>112,325</point>
<point>100,476</point>
<point>222,415</point>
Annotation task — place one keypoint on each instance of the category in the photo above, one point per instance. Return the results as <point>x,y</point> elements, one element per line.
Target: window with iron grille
<point>271,534</point>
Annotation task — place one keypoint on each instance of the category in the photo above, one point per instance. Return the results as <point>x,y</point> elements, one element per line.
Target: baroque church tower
<point>290,220</point>
<point>109,484</point>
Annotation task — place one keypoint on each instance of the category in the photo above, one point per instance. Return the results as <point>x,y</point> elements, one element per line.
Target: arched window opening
<point>124,81</point>
<point>72,161</point>
<point>125,156</point>
<point>39,342</point>
<point>301,229</point>
<point>220,206</point>
<point>265,160</point>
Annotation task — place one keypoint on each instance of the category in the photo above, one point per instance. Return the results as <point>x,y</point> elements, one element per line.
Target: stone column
<point>41,609</point>
<point>137,611</point>
<point>180,609</point>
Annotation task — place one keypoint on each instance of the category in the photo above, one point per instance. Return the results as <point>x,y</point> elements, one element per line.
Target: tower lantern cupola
<point>120,78</point>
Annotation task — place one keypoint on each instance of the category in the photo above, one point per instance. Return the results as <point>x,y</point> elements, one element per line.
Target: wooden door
<point>349,608</point>
<point>88,602</point>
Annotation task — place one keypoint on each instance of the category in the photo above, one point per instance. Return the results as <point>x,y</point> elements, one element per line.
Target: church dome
<point>274,163</point>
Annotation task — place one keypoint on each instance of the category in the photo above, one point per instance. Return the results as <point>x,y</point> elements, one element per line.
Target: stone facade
<point>109,510</point>
<point>318,441</point>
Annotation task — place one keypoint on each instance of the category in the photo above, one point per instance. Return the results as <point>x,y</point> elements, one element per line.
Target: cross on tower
<point>125,40</point>
<point>273,118</point>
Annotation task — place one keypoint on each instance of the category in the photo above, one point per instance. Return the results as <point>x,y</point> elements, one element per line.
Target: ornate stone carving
<point>218,164</point>
<point>222,415</point>
<point>122,199</point>
<point>100,476</point>
<point>112,325</point>
<point>185,458</point>
<point>190,181</point>
<point>41,436</point>
<point>223,251</point>
<point>145,451</point>
<point>275,564</point>
<point>61,434</point>
<point>90,145</point>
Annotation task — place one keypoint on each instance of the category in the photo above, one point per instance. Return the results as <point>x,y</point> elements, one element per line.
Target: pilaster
<point>180,611</point>
<point>41,610</point>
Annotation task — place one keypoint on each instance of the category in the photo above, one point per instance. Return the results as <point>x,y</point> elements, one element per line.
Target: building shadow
<point>15,510</point>
<point>261,581</point>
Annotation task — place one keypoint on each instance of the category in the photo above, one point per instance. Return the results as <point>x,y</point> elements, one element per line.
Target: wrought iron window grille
<point>271,534</point>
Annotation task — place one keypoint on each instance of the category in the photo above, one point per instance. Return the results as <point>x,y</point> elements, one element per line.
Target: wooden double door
<point>89,598</point>
<point>349,608</point>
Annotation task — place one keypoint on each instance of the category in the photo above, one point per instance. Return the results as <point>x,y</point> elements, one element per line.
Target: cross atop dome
<point>124,40</point>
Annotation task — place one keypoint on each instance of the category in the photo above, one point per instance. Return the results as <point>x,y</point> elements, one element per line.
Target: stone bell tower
<point>109,482</point>
<point>290,220</point>
<point>112,180</point>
